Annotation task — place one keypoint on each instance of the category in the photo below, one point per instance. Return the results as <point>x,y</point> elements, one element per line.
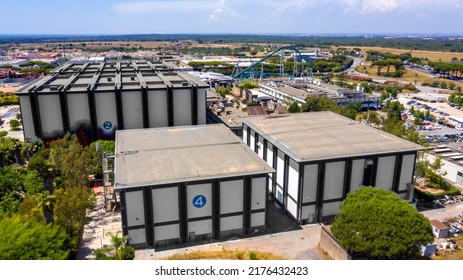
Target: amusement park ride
<point>304,73</point>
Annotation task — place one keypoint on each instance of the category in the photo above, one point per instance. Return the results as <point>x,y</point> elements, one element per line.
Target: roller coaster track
<point>249,68</point>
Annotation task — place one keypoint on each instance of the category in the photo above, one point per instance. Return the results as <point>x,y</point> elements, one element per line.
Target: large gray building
<point>320,157</point>
<point>184,184</point>
<point>94,100</point>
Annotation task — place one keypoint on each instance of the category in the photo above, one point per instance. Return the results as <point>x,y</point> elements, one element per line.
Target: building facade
<point>320,157</point>
<point>184,184</point>
<point>94,100</point>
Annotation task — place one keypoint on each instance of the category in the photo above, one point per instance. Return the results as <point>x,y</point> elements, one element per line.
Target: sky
<point>231,17</point>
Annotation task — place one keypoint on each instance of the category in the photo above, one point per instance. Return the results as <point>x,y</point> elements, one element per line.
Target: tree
<point>294,107</point>
<point>20,240</point>
<point>45,168</point>
<point>119,250</point>
<point>14,124</point>
<point>379,224</point>
<point>315,104</point>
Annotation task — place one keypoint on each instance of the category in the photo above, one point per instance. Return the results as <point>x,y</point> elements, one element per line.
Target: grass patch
<point>409,76</point>
<point>225,255</point>
<point>432,56</point>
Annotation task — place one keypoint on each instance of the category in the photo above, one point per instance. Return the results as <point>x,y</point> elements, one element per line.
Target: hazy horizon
<point>239,17</point>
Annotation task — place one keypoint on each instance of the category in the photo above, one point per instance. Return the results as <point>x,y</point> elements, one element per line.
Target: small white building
<point>439,229</point>
<point>451,163</point>
<point>456,121</point>
<point>190,183</point>
<point>320,157</point>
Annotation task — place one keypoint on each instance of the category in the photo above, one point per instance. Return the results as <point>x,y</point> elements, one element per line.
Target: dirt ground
<point>299,244</point>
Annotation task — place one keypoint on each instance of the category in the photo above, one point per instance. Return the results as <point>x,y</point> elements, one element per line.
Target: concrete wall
<point>50,115</point>
<point>157,103</point>
<point>334,180</point>
<point>79,112</point>
<point>26,115</point>
<point>163,201</point>
<point>132,109</point>
<point>358,168</point>
<point>385,173</point>
<point>106,111</point>
<point>330,245</point>
<point>182,105</point>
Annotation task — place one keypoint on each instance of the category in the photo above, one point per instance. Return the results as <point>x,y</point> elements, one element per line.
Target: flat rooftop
<point>146,157</point>
<point>108,76</point>
<point>326,135</point>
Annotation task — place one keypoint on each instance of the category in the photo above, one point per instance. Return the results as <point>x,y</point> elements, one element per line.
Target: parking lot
<point>436,131</point>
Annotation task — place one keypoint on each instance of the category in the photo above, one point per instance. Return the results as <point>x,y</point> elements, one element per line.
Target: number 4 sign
<point>199,201</point>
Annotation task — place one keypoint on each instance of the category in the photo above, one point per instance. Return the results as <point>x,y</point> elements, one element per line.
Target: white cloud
<point>371,6</point>
<point>215,16</point>
<point>223,10</point>
<point>134,8</point>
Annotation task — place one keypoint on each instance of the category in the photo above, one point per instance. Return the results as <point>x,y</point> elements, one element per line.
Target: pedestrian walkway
<point>97,227</point>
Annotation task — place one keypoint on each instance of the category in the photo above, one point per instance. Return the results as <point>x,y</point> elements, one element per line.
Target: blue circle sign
<point>107,125</point>
<point>199,201</point>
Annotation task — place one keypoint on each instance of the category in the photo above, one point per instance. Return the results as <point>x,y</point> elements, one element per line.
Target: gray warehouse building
<point>94,100</point>
<point>183,184</point>
<point>320,157</point>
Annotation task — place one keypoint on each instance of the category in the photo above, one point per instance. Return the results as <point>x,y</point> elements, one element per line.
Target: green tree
<point>119,250</point>
<point>14,124</point>
<point>379,224</point>
<point>71,205</point>
<point>31,240</point>
<point>294,107</point>
<point>315,104</point>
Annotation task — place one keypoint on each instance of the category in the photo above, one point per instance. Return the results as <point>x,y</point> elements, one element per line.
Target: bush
<point>30,240</point>
<point>380,225</point>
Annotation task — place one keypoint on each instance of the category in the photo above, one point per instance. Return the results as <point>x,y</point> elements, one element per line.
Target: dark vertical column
<point>119,109</point>
<point>374,171</point>
<point>36,114</point>
<point>264,152</point>
<point>347,177</point>
<point>285,180</point>
<point>256,142</point>
<point>215,209</point>
<point>300,191</point>
<point>170,106</point>
<point>123,213</point>
<point>248,137</point>
<point>274,181</point>
<point>397,173</point>
<point>63,102</point>
<point>149,226</point>
<point>92,110</point>
<point>266,199</point>
<point>183,212</point>
<point>320,190</point>
<point>247,204</point>
<point>194,105</point>
<point>145,107</point>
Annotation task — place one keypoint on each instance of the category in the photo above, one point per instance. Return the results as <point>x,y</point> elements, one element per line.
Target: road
<point>449,212</point>
<point>357,62</point>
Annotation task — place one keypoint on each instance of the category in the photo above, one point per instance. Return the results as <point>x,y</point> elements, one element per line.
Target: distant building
<point>94,100</point>
<point>439,229</point>
<point>320,157</point>
<point>186,184</point>
<point>287,94</point>
<point>451,160</point>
